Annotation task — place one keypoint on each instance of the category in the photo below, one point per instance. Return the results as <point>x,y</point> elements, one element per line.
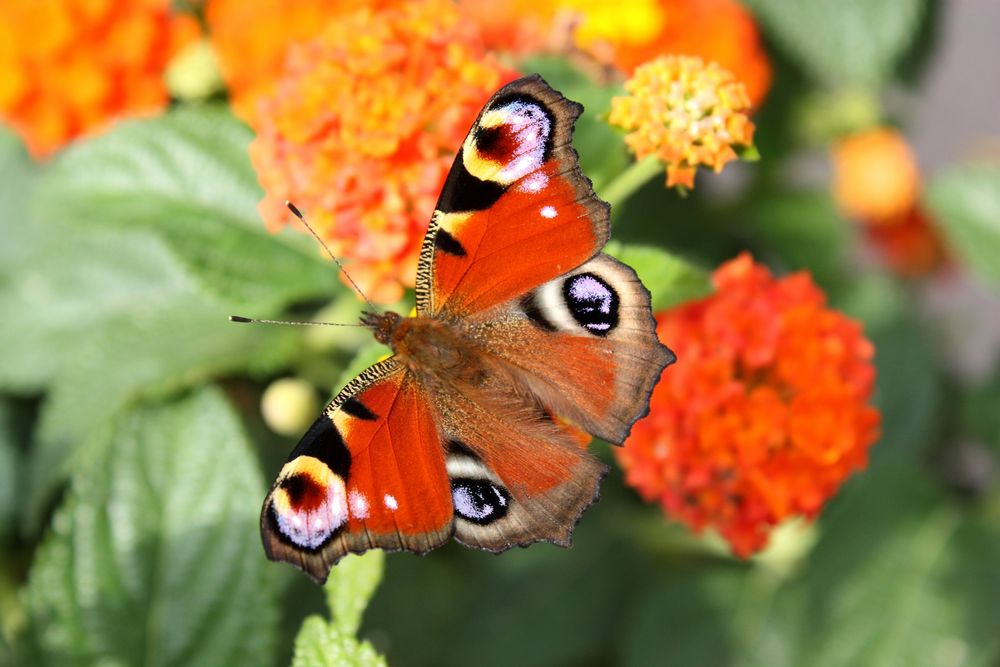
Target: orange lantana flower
<point>363,128</point>
<point>687,113</point>
<point>251,40</point>
<point>628,33</point>
<point>766,412</point>
<point>876,177</point>
<point>69,66</point>
<point>720,31</point>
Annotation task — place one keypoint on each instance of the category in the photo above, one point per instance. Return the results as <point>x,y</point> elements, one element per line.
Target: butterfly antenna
<point>301,323</point>
<point>298,214</point>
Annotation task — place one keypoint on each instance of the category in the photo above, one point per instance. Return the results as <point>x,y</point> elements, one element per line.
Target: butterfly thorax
<point>429,347</point>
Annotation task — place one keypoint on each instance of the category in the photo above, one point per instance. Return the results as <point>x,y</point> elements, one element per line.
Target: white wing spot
<point>390,501</point>
<point>549,212</point>
<point>359,504</point>
<point>535,182</point>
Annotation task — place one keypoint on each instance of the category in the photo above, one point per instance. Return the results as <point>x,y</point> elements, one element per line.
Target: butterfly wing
<point>586,345</point>
<point>515,211</point>
<point>517,476</point>
<point>369,473</point>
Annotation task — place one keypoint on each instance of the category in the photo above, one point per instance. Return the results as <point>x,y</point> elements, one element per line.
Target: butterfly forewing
<point>515,211</point>
<point>369,473</point>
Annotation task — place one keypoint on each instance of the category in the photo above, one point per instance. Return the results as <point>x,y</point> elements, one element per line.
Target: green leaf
<point>186,177</point>
<point>149,332</point>
<point>154,557</point>
<point>710,613</point>
<point>670,279</point>
<point>842,41</point>
<point>106,316</point>
<point>10,470</point>
<point>909,387</point>
<point>674,617</point>
<point>350,586</point>
<point>966,203</point>
<point>17,178</point>
<point>877,589</point>
<point>978,416</point>
<point>320,644</point>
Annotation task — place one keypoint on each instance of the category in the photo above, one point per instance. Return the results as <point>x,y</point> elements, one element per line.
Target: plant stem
<point>626,183</point>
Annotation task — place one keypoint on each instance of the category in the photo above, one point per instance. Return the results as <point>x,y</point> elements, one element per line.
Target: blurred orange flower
<point>766,412</point>
<point>69,66</point>
<point>687,113</point>
<point>875,176</point>
<point>721,31</point>
<point>251,40</point>
<point>910,245</point>
<point>363,127</point>
<point>628,33</point>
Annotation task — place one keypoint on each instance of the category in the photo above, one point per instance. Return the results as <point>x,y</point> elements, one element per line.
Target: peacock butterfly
<point>526,339</point>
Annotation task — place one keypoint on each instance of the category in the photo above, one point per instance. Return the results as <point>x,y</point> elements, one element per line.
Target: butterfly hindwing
<point>517,476</point>
<point>369,473</point>
<point>515,210</point>
<point>586,345</point>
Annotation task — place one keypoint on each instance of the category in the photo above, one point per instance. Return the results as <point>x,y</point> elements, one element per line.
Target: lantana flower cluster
<point>67,67</point>
<point>363,127</point>
<point>687,113</point>
<point>251,40</point>
<point>766,412</point>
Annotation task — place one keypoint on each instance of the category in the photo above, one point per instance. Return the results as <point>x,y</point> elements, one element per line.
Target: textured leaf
<point>876,587</point>
<point>186,177</point>
<point>978,414</point>
<point>154,557</point>
<point>119,320</point>
<point>843,41</point>
<point>674,617</point>
<point>966,202</point>
<point>66,286</point>
<point>670,279</point>
<point>10,469</point>
<point>320,644</point>
<point>909,389</point>
<point>17,178</point>
<point>106,315</point>
<point>351,585</point>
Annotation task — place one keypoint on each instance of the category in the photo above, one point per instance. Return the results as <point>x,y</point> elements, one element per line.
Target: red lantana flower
<point>764,415</point>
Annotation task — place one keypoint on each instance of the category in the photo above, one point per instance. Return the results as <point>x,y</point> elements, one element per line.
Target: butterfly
<point>526,341</point>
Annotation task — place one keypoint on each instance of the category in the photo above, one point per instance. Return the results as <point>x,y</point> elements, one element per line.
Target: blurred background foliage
<point>134,455</point>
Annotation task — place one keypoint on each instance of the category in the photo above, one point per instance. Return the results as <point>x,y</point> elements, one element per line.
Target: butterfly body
<point>526,341</point>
